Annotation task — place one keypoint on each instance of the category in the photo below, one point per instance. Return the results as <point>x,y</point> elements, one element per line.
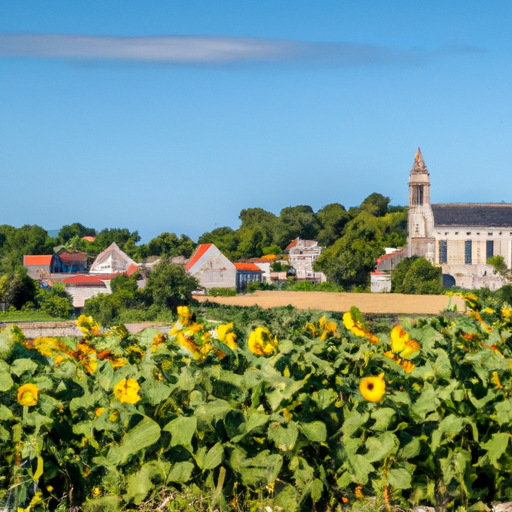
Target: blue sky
<point>174,115</point>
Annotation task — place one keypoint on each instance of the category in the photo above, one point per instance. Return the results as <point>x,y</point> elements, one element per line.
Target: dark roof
<point>476,214</point>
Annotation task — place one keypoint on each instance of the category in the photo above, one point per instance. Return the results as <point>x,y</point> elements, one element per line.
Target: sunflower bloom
<point>48,347</point>
<point>28,394</point>
<point>184,315</point>
<point>328,329</point>
<point>158,340</point>
<point>411,347</point>
<point>505,312</point>
<point>407,366</point>
<point>127,390</point>
<point>226,335</point>
<point>357,328</point>
<point>88,326</point>
<point>261,342</point>
<point>373,388</point>
<point>398,338</point>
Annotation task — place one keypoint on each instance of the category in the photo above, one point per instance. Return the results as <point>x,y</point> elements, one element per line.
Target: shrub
<point>222,292</point>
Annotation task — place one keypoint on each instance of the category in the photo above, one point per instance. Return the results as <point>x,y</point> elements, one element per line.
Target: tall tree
<point>296,221</point>
<point>333,218</point>
<point>70,231</point>
<point>225,239</point>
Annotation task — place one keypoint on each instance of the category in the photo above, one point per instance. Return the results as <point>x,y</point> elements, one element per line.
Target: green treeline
<point>353,239</point>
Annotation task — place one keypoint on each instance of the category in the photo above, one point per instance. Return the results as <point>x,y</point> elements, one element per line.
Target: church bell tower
<point>421,217</point>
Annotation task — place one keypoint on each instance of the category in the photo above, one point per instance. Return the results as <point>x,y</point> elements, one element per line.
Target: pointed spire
<point>419,165</point>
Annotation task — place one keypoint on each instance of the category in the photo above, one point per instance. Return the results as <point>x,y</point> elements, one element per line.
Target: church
<point>458,237</point>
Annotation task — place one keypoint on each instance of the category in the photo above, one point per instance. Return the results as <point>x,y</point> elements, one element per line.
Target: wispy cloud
<point>204,50</point>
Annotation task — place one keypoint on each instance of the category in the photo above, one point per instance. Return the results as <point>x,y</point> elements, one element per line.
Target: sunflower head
<point>127,390</point>
<point>373,388</point>
<point>28,394</point>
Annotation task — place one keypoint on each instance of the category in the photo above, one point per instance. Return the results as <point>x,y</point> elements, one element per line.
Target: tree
<point>416,276</point>
<point>54,302</point>
<point>169,286</point>
<point>376,204</point>
<point>70,231</point>
<point>333,219</point>
<point>225,239</point>
<point>167,245</point>
<point>296,221</point>
<point>352,257</point>
<point>16,288</point>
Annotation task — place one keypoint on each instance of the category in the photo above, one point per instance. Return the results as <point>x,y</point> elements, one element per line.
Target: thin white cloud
<point>200,50</point>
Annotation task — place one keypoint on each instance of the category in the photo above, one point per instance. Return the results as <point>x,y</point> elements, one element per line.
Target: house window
<point>443,251</point>
<point>467,252</point>
<point>490,249</point>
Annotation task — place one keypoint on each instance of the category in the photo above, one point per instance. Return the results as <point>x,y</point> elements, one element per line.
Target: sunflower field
<point>307,411</point>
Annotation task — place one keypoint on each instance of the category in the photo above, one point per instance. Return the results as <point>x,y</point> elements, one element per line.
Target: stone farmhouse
<point>458,237</point>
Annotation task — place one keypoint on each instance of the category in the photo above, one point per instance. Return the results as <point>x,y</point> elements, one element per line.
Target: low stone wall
<point>40,329</point>
<point>62,329</point>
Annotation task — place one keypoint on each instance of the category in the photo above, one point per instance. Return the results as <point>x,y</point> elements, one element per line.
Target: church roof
<point>473,214</point>
<point>419,166</point>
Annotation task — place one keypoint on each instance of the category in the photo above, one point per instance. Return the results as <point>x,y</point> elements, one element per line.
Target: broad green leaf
<point>411,449</point>
<point>288,499</point>
<point>140,483</point>
<point>324,398</point>
<point>399,478</point>
<point>497,448</point>
<point>181,472</point>
<point>315,431</point>
<point>315,489</point>
<point>213,458</point>
<point>504,411</point>
<point>215,410</point>
<point>155,392</point>
<point>427,402</point>
<point>382,418</point>
<point>285,346</point>
<point>451,425</point>
<point>360,468</point>
<point>284,437</point>
<point>6,381</point>
<point>442,365</point>
<point>380,447</point>
<point>144,434</point>
<point>182,430</point>
<point>20,366</point>
<point>353,421</point>
<point>480,404</point>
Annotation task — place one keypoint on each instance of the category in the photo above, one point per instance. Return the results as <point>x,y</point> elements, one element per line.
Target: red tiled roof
<point>88,238</point>
<point>85,280</point>
<point>293,243</point>
<point>132,269</point>
<point>247,266</point>
<point>197,255</point>
<point>38,260</point>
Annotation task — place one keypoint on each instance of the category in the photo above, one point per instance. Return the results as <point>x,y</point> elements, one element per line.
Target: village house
<point>39,266</point>
<point>301,255</point>
<point>213,270</point>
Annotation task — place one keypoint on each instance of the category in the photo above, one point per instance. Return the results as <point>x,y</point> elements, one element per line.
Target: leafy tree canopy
<point>333,218</point>
<point>169,286</point>
<point>416,276</point>
<point>70,231</point>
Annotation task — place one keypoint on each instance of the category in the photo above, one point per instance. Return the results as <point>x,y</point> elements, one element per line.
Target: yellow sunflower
<point>373,388</point>
<point>127,390</point>
<point>226,335</point>
<point>261,342</point>
<point>28,394</point>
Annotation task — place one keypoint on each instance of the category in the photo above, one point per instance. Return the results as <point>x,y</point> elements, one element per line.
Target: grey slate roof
<point>473,214</point>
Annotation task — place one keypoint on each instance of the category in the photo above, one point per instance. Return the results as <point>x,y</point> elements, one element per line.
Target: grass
<point>28,316</point>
